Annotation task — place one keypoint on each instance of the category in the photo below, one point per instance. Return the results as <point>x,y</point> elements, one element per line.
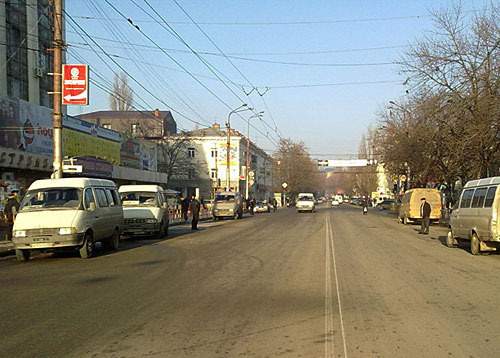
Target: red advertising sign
<point>75,84</point>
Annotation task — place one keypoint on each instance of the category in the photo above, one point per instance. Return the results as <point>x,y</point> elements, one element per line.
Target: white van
<point>305,202</point>
<point>145,210</point>
<point>475,216</point>
<point>68,213</point>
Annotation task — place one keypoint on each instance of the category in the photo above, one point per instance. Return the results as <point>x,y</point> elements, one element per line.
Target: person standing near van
<point>194,207</point>
<point>11,209</point>
<point>425,213</point>
<point>184,208</point>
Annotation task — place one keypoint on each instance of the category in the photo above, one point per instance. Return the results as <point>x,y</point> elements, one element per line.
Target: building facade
<point>206,152</point>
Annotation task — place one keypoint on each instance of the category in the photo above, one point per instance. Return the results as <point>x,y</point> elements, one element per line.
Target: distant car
<point>335,202</point>
<point>261,207</point>
<point>346,200</point>
<point>386,205</point>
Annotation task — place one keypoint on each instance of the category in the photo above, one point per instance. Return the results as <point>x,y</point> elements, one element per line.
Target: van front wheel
<point>450,239</point>
<point>23,255</point>
<point>474,245</point>
<point>87,249</point>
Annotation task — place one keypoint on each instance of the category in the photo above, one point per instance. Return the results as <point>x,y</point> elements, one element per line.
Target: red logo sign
<point>75,84</point>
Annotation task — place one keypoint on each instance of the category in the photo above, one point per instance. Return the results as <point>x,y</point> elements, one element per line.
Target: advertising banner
<point>149,156</point>
<point>25,126</point>
<point>130,152</point>
<point>234,171</point>
<point>92,166</point>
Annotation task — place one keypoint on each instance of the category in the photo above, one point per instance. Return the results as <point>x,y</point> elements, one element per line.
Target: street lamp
<point>258,115</point>
<point>228,128</point>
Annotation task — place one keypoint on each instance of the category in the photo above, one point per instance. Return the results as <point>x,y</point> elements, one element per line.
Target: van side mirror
<point>92,206</point>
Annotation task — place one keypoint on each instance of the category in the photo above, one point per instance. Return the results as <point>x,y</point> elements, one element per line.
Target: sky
<point>283,48</point>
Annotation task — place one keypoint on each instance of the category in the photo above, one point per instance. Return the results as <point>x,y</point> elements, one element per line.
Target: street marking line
<point>337,285</point>
<point>328,297</point>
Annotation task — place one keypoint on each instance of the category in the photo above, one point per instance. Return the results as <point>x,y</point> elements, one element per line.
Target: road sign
<point>72,168</point>
<point>284,185</point>
<point>75,84</point>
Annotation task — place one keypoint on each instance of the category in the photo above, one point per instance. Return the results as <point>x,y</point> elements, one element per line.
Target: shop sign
<point>76,144</point>
<point>75,86</point>
<point>92,166</point>
<point>18,159</point>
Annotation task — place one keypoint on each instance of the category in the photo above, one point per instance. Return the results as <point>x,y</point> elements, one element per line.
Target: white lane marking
<point>329,344</point>
<point>337,285</point>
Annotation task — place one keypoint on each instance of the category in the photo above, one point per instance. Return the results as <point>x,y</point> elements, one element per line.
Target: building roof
<point>124,114</point>
<point>206,132</point>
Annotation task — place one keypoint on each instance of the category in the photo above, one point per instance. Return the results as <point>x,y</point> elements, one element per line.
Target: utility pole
<point>228,144</point>
<point>260,114</point>
<point>57,92</point>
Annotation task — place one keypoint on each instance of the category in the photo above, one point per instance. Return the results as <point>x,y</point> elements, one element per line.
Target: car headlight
<point>230,209</point>
<point>20,233</point>
<point>67,231</point>
<point>151,221</point>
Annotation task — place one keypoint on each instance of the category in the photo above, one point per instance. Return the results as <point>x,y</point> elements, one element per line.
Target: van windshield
<point>306,198</point>
<point>222,198</point>
<point>53,198</point>
<point>139,199</point>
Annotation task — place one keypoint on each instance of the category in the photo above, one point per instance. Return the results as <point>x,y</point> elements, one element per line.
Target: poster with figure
<point>36,135</point>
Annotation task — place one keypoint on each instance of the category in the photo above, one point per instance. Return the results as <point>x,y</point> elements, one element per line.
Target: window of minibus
<point>478,199</point>
<point>490,197</point>
<point>466,198</point>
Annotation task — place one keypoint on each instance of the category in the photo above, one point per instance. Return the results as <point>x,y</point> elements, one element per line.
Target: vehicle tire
<point>450,239</point>
<point>87,249</point>
<point>166,230</point>
<point>159,234</point>
<point>474,245</point>
<point>23,255</point>
<point>114,241</point>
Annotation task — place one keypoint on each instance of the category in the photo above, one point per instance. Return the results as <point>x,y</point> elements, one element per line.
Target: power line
<point>180,65</point>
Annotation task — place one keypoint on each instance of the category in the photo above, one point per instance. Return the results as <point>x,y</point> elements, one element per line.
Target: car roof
<point>70,183</point>
<point>143,188</point>
<point>481,182</point>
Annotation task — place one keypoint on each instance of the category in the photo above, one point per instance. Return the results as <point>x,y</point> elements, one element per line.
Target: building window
<point>135,128</point>
<point>107,126</point>
<point>191,152</point>
<point>213,173</point>
<point>17,53</point>
<point>254,159</point>
<point>191,173</point>
<point>213,153</point>
<point>45,57</point>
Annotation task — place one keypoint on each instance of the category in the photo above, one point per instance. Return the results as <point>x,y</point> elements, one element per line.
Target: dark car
<point>386,205</point>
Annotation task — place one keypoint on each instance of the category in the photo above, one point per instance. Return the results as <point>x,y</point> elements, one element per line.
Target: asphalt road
<point>334,283</point>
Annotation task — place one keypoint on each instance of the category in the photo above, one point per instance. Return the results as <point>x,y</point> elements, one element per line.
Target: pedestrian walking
<point>275,204</point>
<point>252,205</point>
<point>184,208</point>
<point>425,213</point>
<point>364,204</point>
<point>194,207</point>
<point>11,209</point>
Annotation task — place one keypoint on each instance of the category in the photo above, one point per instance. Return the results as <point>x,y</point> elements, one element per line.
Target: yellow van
<point>409,211</point>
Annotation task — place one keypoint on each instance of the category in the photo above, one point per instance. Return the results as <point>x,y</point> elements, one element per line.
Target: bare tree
<point>296,168</point>
<point>121,98</point>
<point>173,158</point>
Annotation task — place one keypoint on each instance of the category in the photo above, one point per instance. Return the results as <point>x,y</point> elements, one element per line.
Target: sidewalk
<point>6,248</point>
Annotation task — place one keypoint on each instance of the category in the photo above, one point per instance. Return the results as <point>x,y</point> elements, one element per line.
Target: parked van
<point>409,210</point>
<point>475,216</point>
<point>68,213</point>
<point>227,204</point>
<point>145,210</point>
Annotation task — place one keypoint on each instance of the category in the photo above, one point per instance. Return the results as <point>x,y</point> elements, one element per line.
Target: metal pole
<point>248,160</point>
<point>57,114</point>
<point>228,129</point>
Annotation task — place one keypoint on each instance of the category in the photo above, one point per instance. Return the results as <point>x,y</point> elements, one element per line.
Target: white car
<point>335,202</point>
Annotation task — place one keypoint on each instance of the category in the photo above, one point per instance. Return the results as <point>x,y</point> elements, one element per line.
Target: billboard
<point>137,153</point>
<point>25,126</point>
<point>81,138</point>
<point>233,160</point>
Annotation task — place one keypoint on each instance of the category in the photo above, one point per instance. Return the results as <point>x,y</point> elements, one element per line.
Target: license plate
<point>39,245</point>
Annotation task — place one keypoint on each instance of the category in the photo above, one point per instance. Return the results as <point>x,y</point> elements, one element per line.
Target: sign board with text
<point>75,84</point>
